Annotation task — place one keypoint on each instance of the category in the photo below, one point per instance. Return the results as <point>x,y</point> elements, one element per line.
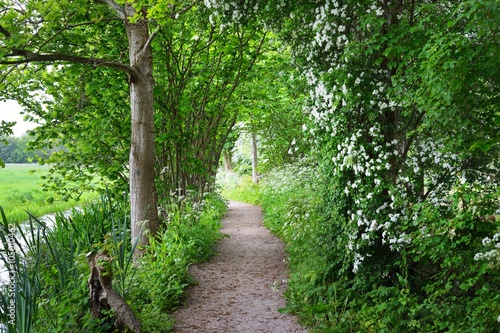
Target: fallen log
<point>104,297</point>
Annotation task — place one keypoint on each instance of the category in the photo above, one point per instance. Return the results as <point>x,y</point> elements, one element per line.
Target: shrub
<point>238,188</point>
<point>444,280</point>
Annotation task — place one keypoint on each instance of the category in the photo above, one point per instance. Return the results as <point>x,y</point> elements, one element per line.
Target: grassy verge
<point>53,295</point>
<point>21,192</point>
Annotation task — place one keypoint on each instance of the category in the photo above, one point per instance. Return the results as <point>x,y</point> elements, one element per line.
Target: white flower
<point>486,241</point>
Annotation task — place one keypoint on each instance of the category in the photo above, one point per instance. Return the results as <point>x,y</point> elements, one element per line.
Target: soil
<point>241,289</point>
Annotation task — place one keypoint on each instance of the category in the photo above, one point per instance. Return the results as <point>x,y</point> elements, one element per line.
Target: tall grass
<point>22,191</point>
<point>52,270</point>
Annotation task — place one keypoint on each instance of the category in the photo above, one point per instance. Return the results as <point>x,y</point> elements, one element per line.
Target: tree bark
<point>143,200</point>
<point>228,165</point>
<point>255,157</point>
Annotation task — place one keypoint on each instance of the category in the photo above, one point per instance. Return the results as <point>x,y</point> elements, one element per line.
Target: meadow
<point>21,192</point>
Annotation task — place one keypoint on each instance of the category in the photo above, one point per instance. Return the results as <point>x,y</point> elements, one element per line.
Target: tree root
<point>104,297</point>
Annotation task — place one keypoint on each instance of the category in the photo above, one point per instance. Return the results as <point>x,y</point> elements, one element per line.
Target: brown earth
<point>240,289</point>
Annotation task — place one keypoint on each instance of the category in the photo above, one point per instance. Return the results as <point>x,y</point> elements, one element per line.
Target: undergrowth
<point>51,272</point>
<point>437,283</point>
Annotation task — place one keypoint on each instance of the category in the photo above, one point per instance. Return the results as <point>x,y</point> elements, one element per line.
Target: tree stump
<point>104,297</point>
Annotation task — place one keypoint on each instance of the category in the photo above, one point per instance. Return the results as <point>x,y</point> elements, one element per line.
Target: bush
<point>444,280</point>
<point>290,197</point>
<point>238,188</point>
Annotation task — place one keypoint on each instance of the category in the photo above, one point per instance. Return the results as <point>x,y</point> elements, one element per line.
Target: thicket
<point>14,150</point>
<point>438,282</point>
<point>51,269</point>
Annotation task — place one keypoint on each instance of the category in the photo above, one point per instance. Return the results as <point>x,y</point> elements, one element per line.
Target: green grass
<point>21,192</point>
<point>241,189</point>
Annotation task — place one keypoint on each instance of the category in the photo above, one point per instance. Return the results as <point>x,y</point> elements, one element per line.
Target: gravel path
<point>240,289</point>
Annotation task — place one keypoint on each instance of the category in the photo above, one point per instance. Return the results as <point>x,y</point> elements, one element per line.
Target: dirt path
<point>240,290</point>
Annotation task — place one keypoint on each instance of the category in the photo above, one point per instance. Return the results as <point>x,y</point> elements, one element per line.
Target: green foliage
<point>96,143</point>
<point>52,277</point>
<point>290,197</point>
<point>441,284</point>
<point>201,68</point>
<point>5,131</point>
<point>15,150</point>
<point>271,105</point>
<point>189,237</point>
<point>198,68</point>
<point>238,188</point>
<point>399,93</point>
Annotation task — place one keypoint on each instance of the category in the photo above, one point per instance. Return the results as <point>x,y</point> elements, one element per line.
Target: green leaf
<point>483,145</point>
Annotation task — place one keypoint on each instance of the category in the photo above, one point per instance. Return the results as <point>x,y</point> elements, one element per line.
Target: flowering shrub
<point>405,121</point>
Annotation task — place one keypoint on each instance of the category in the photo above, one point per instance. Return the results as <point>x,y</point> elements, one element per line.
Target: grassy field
<point>21,192</point>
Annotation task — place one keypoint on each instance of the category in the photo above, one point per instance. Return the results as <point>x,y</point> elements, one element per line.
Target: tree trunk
<point>255,175</point>
<point>228,165</point>
<point>143,200</point>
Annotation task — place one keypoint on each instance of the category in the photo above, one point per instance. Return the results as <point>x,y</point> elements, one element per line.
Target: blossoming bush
<point>290,198</point>
<point>404,99</point>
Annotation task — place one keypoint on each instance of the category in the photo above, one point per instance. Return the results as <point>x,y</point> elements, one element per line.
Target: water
<point>48,220</point>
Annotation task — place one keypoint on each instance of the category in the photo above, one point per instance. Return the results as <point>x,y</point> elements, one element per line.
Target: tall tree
<point>198,69</point>
<point>204,66</point>
<point>58,32</point>
<point>271,103</point>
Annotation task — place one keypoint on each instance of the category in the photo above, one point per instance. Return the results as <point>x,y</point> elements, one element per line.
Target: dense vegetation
<point>392,223</point>
<point>52,294</point>
<point>377,128</point>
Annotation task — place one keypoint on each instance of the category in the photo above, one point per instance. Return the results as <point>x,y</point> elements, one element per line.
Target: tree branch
<point>5,32</point>
<point>185,9</point>
<point>115,6</point>
<point>148,42</point>
<point>35,57</point>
